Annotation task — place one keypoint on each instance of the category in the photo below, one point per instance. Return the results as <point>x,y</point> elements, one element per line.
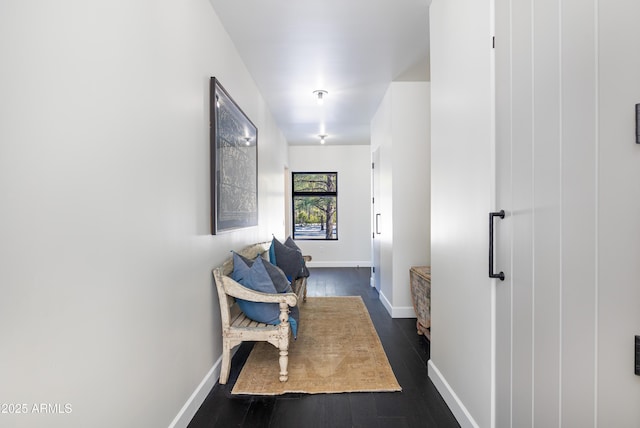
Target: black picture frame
<point>234,164</point>
<point>637,123</point>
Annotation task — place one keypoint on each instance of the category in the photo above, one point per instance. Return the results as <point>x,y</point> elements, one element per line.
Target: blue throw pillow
<point>254,275</point>
<point>276,274</point>
<point>288,259</point>
<point>272,253</point>
<point>282,285</point>
<point>279,279</point>
<point>291,244</point>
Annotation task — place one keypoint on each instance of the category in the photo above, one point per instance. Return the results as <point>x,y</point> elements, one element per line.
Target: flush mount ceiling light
<point>322,137</point>
<point>320,95</point>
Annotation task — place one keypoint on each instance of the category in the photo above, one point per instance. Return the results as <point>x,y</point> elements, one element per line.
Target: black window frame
<point>295,194</point>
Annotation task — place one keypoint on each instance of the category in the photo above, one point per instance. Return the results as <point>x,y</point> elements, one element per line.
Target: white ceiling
<point>352,49</point>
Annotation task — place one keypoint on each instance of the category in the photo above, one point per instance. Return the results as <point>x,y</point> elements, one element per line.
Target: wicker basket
<point>420,277</point>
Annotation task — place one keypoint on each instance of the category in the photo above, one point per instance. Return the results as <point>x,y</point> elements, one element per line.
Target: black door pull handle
<point>491,274</point>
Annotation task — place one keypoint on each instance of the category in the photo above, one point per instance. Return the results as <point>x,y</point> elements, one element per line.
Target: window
<point>315,205</point>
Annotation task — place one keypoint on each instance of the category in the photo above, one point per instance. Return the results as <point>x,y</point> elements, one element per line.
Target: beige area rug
<point>337,350</point>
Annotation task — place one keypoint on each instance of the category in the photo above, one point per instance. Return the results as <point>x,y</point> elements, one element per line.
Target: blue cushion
<point>291,244</point>
<point>276,274</point>
<point>272,253</point>
<point>279,279</point>
<point>288,259</point>
<point>254,275</point>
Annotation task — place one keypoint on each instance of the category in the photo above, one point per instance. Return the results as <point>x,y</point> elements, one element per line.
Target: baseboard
<point>386,303</point>
<point>458,409</point>
<point>188,411</point>
<point>355,264</point>
<point>397,311</point>
<point>403,312</point>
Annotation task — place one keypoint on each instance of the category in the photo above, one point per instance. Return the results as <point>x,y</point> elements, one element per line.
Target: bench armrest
<point>235,289</point>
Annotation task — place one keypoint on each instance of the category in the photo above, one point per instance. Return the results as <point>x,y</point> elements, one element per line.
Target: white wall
<point>401,130</point>
<point>411,186</point>
<point>382,140</point>
<point>461,192</point>
<point>105,247</point>
<point>353,165</point>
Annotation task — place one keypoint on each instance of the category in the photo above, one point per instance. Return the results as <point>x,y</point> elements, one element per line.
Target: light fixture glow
<point>322,137</point>
<point>320,95</point>
<point>247,140</point>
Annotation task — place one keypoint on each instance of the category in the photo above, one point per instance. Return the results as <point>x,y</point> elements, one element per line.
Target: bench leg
<point>226,362</point>
<point>283,341</point>
<point>284,362</point>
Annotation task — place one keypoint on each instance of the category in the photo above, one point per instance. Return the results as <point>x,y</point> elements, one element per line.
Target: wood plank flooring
<point>418,405</point>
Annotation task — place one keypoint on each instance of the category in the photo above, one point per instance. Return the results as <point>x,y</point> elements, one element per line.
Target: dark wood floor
<point>418,405</point>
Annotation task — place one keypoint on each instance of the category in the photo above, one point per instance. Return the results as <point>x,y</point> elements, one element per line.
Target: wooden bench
<point>237,328</point>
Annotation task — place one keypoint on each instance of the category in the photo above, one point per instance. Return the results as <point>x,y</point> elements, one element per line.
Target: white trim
<point>386,303</point>
<point>403,312</point>
<point>188,411</point>
<point>458,409</point>
<point>355,264</point>
<point>397,311</point>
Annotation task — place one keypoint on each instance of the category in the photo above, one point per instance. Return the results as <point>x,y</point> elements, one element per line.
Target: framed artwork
<point>234,164</point>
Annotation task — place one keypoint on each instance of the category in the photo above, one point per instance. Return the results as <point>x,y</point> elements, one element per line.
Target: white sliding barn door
<point>533,189</point>
<point>568,168</point>
<point>618,217</point>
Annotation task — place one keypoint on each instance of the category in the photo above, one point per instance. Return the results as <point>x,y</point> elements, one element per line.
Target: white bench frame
<point>237,328</point>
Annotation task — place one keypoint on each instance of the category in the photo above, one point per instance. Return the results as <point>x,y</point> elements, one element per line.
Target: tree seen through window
<point>315,205</point>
